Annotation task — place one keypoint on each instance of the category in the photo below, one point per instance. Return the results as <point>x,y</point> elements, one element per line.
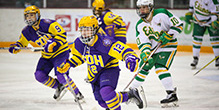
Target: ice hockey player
<point>50,35</point>
<point>155,26</point>
<point>201,12</point>
<point>111,23</point>
<point>102,53</point>
<point>215,24</point>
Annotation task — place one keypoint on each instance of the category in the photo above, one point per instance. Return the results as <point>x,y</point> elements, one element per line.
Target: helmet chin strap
<point>149,17</point>
<point>91,41</point>
<point>33,23</point>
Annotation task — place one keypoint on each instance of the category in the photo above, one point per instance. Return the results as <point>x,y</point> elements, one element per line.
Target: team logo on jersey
<point>161,57</point>
<point>107,42</point>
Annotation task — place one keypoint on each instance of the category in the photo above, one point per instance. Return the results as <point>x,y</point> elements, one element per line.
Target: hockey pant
<point>198,33</point>
<point>45,66</point>
<point>162,63</point>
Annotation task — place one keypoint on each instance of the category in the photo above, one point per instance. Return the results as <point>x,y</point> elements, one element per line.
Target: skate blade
<point>142,95</point>
<point>80,101</point>
<point>62,94</point>
<point>169,105</point>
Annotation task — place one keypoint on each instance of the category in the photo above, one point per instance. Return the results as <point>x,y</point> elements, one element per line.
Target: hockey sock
<point>46,80</point>
<point>73,85</point>
<point>112,98</point>
<point>139,79</point>
<point>215,44</point>
<point>165,78</point>
<point>63,81</point>
<point>197,42</point>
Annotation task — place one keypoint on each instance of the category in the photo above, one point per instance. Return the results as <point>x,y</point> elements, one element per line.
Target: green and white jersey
<point>215,6</point>
<point>147,34</point>
<point>202,10</point>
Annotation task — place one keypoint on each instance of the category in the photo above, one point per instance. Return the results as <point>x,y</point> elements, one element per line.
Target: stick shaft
<point>72,91</point>
<point>25,48</point>
<point>158,45</point>
<point>206,65</point>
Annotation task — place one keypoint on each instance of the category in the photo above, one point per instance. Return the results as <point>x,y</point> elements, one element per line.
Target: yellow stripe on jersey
<point>90,75</point>
<point>23,40</point>
<point>101,31</point>
<point>121,32</point>
<point>114,61</point>
<point>77,58</point>
<point>119,21</point>
<point>145,46</point>
<point>114,65</point>
<point>61,49</point>
<point>180,27</point>
<point>74,51</point>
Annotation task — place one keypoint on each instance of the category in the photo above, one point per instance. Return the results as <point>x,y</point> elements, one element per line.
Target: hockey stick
<point>206,65</point>
<point>72,91</point>
<point>158,45</point>
<point>34,49</point>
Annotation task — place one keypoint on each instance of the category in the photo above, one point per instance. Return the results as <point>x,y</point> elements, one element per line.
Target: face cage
<point>30,22</point>
<point>87,34</point>
<point>144,15</point>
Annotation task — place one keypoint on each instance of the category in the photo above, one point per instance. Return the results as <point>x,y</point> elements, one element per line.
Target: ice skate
<point>195,62</point>
<point>60,92</point>
<point>142,95</point>
<point>170,101</point>
<point>79,97</point>
<point>217,63</point>
<point>134,95</point>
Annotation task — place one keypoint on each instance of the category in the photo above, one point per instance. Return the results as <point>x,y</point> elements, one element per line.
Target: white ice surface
<point>20,91</point>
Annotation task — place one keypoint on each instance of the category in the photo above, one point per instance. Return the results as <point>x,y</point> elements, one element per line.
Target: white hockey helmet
<point>149,3</point>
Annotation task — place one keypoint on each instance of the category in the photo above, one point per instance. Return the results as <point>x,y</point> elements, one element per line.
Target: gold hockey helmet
<point>88,27</point>
<point>98,7</point>
<point>32,9</point>
<point>98,4</point>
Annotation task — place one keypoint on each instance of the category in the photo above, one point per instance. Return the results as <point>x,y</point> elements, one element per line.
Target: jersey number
<point>58,29</point>
<point>111,16</point>
<point>174,21</point>
<point>118,48</point>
